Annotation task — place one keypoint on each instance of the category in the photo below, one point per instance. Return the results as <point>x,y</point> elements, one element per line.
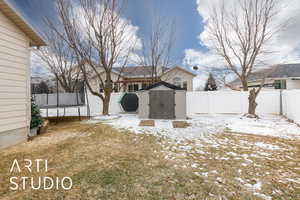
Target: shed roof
<point>163,83</point>
<point>10,12</point>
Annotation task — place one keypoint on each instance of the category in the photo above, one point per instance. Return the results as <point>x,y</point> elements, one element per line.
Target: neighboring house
<point>281,76</point>
<point>131,79</point>
<point>16,38</point>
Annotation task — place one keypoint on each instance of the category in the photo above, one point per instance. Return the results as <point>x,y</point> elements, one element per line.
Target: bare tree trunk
<point>245,85</point>
<point>106,100</point>
<point>252,103</point>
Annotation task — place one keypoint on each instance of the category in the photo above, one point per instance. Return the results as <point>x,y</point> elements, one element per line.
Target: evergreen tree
<point>36,118</point>
<point>210,84</point>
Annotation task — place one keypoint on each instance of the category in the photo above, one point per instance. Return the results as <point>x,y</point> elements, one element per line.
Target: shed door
<point>162,104</point>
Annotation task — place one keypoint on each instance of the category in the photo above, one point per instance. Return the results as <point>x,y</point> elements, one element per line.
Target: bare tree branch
<point>96,32</point>
<point>240,36</point>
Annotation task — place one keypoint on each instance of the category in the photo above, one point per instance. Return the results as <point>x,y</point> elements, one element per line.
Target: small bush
<point>36,118</point>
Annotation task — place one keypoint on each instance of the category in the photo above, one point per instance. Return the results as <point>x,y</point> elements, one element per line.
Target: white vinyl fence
<point>217,102</point>
<point>231,102</point>
<point>96,104</point>
<point>291,105</point>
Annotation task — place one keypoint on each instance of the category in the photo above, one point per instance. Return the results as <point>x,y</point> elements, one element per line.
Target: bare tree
<point>59,59</point>
<point>240,37</point>
<point>43,88</point>
<point>97,33</point>
<point>158,46</point>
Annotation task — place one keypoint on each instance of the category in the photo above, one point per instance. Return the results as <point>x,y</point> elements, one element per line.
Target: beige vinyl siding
<point>14,77</point>
<point>178,73</point>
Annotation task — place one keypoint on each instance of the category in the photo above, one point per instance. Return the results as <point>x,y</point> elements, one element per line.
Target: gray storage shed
<point>162,101</point>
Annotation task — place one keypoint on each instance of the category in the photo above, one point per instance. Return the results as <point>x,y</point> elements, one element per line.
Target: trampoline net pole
<point>57,101</point>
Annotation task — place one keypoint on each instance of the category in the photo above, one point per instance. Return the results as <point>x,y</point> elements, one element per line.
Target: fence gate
<point>162,104</point>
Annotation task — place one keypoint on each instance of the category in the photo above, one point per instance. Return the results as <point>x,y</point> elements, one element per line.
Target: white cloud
<point>285,44</point>
<point>126,32</point>
<point>38,66</point>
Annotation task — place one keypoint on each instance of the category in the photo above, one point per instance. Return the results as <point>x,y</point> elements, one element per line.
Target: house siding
<point>14,83</point>
<point>292,84</point>
<point>185,77</point>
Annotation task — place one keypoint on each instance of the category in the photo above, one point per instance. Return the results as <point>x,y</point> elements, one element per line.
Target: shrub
<point>36,118</point>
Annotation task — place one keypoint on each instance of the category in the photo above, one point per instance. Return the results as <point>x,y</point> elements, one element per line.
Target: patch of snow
<point>199,127</point>
<point>263,196</point>
<point>204,174</point>
<point>232,154</point>
<point>293,180</point>
<point>240,180</point>
<point>267,146</point>
<point>197,173</point>
<point>224,158</point>
<point>106,117</point>
<point>255,187</point>
<point>194,165</point>
<point>268,125</point>
<point>205,125</point>
<point>102,118</point>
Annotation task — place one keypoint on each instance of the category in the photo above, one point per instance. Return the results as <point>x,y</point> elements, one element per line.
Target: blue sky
<point>141,14</point>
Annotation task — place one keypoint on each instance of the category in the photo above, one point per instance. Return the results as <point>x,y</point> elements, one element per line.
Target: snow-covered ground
<point>215,149</point>
<point>204,125</point>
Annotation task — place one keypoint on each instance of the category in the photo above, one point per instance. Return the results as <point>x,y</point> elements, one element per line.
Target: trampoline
<point>62,100</point>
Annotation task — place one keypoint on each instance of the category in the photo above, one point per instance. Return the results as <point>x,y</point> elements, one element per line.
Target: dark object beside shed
<point>130,102</point>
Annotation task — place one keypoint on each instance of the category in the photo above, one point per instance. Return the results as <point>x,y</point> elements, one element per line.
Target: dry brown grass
<point>180,124</point>
<point>108,164</point>
<point>225,159</point>
<point>147,123</point>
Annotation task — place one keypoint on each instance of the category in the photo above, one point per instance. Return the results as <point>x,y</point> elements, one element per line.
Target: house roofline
<point>11,13</point>
<point>269,79</point>
<point>180,68</point>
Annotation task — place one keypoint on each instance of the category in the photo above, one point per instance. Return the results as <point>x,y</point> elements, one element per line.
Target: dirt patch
<point>180,124</point>
<point>147,123</point>
<point>64,119</point>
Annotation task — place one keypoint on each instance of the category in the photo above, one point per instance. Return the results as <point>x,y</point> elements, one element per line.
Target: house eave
<point>11,13</point>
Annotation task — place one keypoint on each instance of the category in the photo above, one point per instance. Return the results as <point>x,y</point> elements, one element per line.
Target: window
<point>184,85</point>
<point>177,81</point>
<point>130,88</point>
<point>280,84</point>
<point>116,87</point>
<point>135,87</point>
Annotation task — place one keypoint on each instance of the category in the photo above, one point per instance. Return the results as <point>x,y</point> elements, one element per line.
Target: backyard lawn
<point>106,162</point>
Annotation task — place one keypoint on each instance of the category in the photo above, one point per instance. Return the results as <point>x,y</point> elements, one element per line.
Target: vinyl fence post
<point>281,112</point>
<point>78,105</point>
<point>87,102</point>
<point>47,101</point>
